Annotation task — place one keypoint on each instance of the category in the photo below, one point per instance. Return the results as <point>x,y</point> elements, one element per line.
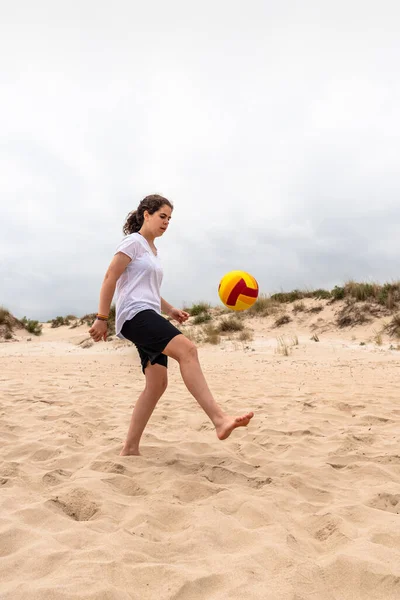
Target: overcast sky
<point>273,127</point>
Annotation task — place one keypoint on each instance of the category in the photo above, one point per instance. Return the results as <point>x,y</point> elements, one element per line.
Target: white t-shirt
<point>138,288</point>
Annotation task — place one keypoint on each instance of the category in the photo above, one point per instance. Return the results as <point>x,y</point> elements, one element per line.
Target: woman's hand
<point>179,315</point>
<point>98,330</point>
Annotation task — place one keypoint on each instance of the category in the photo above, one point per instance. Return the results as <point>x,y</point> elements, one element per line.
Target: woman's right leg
<point>185,352</point>
<point>156,384</point>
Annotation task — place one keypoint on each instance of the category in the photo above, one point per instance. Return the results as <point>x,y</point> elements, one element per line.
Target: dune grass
<point>387,294</point>
<point>361,303</point>
<point>9,323</point>
<point>393,327</point>
<point>198,309</point>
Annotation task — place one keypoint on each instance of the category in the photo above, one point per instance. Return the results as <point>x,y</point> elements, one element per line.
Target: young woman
<point>135,273</point>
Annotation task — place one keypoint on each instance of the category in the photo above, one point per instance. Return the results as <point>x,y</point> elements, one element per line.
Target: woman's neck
<point>150,238</point>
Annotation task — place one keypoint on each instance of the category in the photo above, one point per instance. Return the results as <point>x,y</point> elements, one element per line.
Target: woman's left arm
<point>166,307</point>
<point>175,313</point>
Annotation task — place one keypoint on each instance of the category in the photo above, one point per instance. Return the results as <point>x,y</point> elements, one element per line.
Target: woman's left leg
<point>156,384</point>
<point>185,352</point>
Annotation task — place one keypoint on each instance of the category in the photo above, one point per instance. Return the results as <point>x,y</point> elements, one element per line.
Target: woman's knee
<point>181,348</point>
<point>157,388</point>
<point>191,351</point>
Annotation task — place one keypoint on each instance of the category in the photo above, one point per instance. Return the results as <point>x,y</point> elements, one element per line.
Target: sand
<point>302,505</point>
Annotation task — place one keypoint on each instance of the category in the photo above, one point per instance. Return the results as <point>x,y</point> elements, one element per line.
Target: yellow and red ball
<point>238,290</point>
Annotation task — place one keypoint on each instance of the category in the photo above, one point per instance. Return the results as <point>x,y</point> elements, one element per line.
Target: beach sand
<point>304,504</point>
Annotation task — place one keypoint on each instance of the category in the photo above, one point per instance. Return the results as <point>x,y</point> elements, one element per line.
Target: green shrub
<point>58,322</point>
<point>87,319</point>
<point>361,291</point>
<point>230,324</point>
<point>263,306</point>
<point>285,297</point>
<point>321,294</point>
<point>32,326</point>
<point>202,318</point>
<point>338,293</point>
<point>198,309</point>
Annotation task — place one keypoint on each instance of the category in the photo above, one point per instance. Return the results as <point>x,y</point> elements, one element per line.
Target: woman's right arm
<point>117,266</point>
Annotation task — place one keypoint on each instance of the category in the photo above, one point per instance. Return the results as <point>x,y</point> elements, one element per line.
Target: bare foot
<point>225,428</point>
<point>129,451</point>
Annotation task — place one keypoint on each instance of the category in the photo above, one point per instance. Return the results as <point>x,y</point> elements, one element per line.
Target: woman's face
<point>158,222</point>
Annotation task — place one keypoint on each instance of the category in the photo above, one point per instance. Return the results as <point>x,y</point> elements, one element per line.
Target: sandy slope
<point>303,505</point>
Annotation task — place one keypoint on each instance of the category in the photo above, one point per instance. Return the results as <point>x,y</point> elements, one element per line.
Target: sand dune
<point>304,504</point>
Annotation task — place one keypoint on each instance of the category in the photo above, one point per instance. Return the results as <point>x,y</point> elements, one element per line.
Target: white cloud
<point>273,127</point>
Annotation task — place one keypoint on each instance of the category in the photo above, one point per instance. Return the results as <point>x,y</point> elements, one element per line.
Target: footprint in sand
<point>125,485</point>
<point>108,466</point>
<point>45,454</point>
<point>374,420</point>
<point>309,492</point>
<point>9,469</point>
<point>16,539</point>
<point>224,476</point>
<point>55,477</point>
<point>77,504</point>
<point>193,491</point>
<point>326,527</point>
<point>386,502</point>
<point>337,465</point>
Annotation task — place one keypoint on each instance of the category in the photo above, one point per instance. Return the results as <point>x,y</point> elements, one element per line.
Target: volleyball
<point>238,290</point>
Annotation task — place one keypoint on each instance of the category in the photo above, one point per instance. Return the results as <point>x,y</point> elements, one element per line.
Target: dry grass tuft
<point>204,317</point>
<point>230,325</point>
<point>282,320</point>
<point>357,313</point>
<point>387,295</point>
<point>193,336</point>
<point>315,309</point>
<point>198,309</point>
<point>377,337</point>
<point>246,335</point>
<point>283,346</point>
<point>9,323</point>
<point>299,307</point>
<point>264,307</point>
<point>211,335</point>
<point>393,327</point>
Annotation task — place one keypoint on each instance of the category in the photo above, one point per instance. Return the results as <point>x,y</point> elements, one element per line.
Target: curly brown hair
<point>152,204</point>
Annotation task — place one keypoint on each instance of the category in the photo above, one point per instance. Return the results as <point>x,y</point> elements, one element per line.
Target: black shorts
<point>151,333</point>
